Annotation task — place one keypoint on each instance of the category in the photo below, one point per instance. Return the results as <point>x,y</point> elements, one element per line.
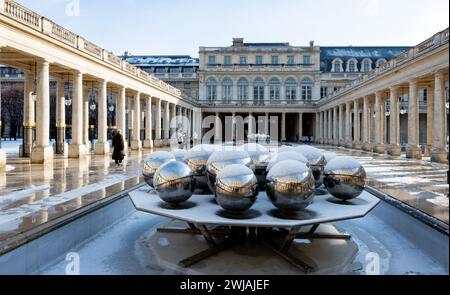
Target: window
<point>174,70</point>
<point>274,89</point>
<point>227,60</point>
<point>337,66</point>
<point>243,60</point>
<point>380,62</point>
<point>291,89</point>
<point>211,60</point>
<point>367,67</point>
<point>274,59</point>
<point>306,59</point>
<point>227,89</point>
<point>211,89</point>
<point>161,70</point>
<point>307,84</point>
<point>188,70</point>
<point>242,89</point>
<point>290,60</point>
<point>425,95</point>
<point>187,85</point>
<point>323,92</point>
<point>259,60</point>
<point>258,90</point>
<point>352,66</point>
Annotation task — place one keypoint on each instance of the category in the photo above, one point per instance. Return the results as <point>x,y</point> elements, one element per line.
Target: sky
<point>179,27</point>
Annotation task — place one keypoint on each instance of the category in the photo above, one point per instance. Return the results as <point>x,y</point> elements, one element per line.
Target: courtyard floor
<point>26,189</point>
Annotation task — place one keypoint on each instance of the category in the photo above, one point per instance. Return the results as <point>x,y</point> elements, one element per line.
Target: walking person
<point>118,147</point>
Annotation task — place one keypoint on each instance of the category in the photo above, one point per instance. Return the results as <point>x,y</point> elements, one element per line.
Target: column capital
<point>413,82</point>
<point>394,88</point>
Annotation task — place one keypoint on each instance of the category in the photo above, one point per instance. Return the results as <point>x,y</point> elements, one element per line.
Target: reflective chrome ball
<point>316,161</point>
<point>179,154</point>
<point>153,162</point>
<point>329,156</point>
<point>283,156</point>
<point>260,157</point>
<point>290,185</point>
<point>236,188</point>
<point>196,159</point>
<point>174,182</point>
<point>345,178</point>
<point>221,159</point>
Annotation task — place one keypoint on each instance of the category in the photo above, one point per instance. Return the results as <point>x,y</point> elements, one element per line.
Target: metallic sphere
<point>220,159</point>
<point>153,162</point>
<point>174,182</point>
<point>260,157</point>
<point>290,186</point>
<point>236,188</point>
<point>196,159</point>
<point>179,154</point>
<point>283,156</point>
<point>345,178</point>
<point>316,161</point>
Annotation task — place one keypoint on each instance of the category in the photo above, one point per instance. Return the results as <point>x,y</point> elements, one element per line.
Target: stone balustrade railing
<point>33,20</point>
<point>257,68</point>
<point>437,40</point>
<point>260,103</point>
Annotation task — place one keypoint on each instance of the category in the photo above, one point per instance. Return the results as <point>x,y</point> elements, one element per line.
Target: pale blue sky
<point>181,26</point>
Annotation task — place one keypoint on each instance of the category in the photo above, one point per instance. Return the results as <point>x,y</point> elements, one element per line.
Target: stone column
<point>148,143</point>
<point>283,127</point>
<point>173,120</point>
<point>367,146</point>
<point>438,152</point>
<point>136,143</point>
<point>321,127</point>
<point>348,124</point>
<point>77,148</point>
<point>166,123</point>
<point>412,149</point>
<point>357,128</point>
<point>430,121</point>
<point>28,117</point>
<point>60,119</point>
<point>102,146</point>
<point>325,127</point>
<point>379,116</point>
<point>330,126</point>
<point>121,113</point>
<point>218,129</point>
<point>335,126</point>
<point>86,127</point>
<point>394,122</point>
<point>266,124</point>
<point>42,152</point>
<point>251,127</point>
<point>341,125</point>
<point>2,152</point>
<point>300,126</point>
<point>158,141</point>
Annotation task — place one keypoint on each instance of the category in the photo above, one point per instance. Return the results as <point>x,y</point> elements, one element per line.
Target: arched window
<point>242,89</point>
<point>351,66</point>
<point>274,89</point>
<point>380,62</point>
<point>211,89</point>
<point>337,65</point>
<point>227,89</point>
<point>307,85</point>
<point>367,65</point>
<point>258,90</point>
<point>291,89</point>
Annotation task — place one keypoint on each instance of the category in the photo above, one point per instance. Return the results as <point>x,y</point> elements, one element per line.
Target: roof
<point>266,44</point>
<point>329,53</point>
<point>161,60</point>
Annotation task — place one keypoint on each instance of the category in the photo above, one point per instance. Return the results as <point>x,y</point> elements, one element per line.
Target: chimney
<point>238,42</point>
<point>311,43</point>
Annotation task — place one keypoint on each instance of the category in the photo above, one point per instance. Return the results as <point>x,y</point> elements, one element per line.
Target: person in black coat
<point>118,147</point>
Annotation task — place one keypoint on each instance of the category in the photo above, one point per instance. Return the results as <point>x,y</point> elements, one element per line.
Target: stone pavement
<point>420,184</point>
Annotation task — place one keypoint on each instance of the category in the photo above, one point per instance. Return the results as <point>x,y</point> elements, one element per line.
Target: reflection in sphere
<point>291,155</point>
<point>316,161</point>
<point>153,162</point>
<point>260,157</point>
<point>345,178</point>
<point>196,159</point>
<point>174,182</point>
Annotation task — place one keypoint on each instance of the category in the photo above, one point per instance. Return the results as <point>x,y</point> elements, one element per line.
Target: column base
<point>165,142</point>
<point>348,144</point>
<point>439,156</point>
<point>427,150</point>
<point>2,160</point>
<point>341,143</point>
<point>158,143</point>
<point>395,150</point>
<point>63,149</point>
<point>87,147</point>
<point>136,145</point>
<point>76,151</point>
<point>367,147</point>
<point>102,148</point>
<point>357,145</point>
<point>379,148</point>
<point>413,152</point>
<point>148,144</point>
<point>40,155</point>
